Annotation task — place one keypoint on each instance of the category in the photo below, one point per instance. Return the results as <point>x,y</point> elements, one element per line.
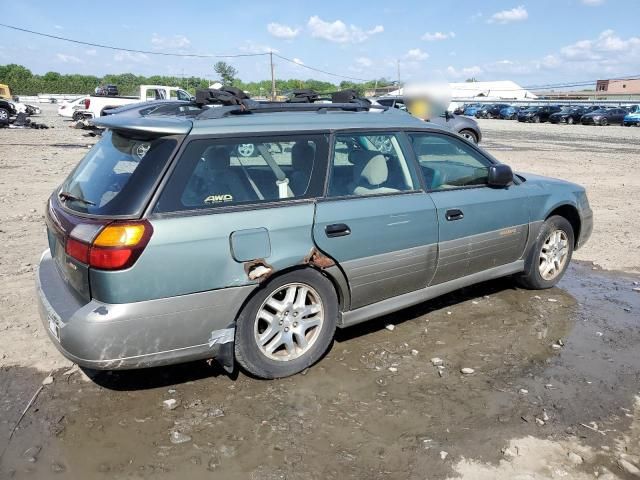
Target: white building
<point>499,90</point>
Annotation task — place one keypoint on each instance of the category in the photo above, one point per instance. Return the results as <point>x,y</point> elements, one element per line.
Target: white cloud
<point>58,27</point>
<point>340,32</point>
<point>298,61</point>
<point>364,62</point>
<point>415,54</point>
<point>92,52</point>
<point>252,47</point>
<point>517,14</point>
<point>593,3</point>
<point>63,57</point>
<point>279,30</point>
<point>464,72</point>
<point>436,36</point>
<point>174,41</point>
<point>130,57</point>
<point>607,55</point>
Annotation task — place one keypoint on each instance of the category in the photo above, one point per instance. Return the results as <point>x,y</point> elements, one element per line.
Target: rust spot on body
<point>317,258</point>
<point>258,269</point>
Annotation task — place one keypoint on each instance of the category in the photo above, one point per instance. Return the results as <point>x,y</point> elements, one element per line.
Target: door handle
<point>454,214</point>
<point>337,230</point>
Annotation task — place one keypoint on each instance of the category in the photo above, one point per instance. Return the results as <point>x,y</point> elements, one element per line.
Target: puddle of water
<point>374,407</point>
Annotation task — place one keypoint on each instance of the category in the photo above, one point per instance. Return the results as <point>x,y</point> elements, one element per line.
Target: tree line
<point>23,82</point>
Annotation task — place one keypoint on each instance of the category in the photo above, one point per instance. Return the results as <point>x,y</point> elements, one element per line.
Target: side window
<point>369,164</point>
<point>446,162</point>
<point>213,173</point>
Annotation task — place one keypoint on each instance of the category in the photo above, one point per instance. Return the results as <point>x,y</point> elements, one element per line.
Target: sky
<point>537,42</point>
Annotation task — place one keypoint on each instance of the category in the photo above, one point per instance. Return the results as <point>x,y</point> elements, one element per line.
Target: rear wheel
<point>287,325</point>
<point>469,135</point>
<point>246,149</point>
<point>536,119</point>
<point>4,115</point>
<point>550,255</point>
<point>604,122</point>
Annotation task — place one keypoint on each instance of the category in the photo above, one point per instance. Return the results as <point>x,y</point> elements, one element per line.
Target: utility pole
<point>399,75</point>
<point>273,78</point>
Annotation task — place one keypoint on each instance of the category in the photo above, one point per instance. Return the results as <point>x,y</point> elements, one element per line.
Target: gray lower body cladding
<point>134,335</point>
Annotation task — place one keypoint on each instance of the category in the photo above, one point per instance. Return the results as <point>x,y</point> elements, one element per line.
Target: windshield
<point>117,175</point>
<point>532,109</point>
<point>600,111</point>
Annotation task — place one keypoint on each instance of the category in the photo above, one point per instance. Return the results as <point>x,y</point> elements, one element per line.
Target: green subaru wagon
<point>249,232</point>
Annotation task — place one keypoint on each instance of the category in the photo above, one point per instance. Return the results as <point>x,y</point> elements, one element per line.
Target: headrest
<point>375,171</point>
<point>361,157</point>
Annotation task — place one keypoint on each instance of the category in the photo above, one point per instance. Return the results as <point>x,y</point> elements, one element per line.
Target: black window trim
<point>150,213</point>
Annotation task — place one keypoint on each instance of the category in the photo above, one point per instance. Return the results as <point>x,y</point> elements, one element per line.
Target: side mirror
<point>447,115</point>
<point>500,176</point>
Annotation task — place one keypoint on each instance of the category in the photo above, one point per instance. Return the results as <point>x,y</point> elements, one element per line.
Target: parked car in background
<point>632,119</point>
<point>470,110</point>
<point>604,116</point>
<point>632,108</point>
<point>537,114</point>
<point>568,115</point>
<point>463,126</point>
<point>95,105</point>
<point>491,110</point>
<point>7,110</point>
<point>354,216</point>
<point>510,112</point>
<point>69,108</point>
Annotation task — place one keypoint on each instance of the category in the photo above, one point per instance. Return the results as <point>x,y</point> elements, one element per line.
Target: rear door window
<point>117,175</point>
<point>225,172</point>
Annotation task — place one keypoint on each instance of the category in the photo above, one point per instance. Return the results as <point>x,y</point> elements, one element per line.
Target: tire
<point>570,121</point>
<point>536,119</point>
<point>246,149</point>
<point>77,116</point>
<point>554,229</point>
<point>489,115</point>
<point>4,115</point>
<point>469,135</point>
<point>270,301</point>
<point>604,122</point>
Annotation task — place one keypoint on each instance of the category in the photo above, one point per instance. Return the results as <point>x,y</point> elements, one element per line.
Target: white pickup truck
<point>95,105</point>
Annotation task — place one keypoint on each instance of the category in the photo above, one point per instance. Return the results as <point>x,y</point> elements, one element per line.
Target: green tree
<point>226,72</point>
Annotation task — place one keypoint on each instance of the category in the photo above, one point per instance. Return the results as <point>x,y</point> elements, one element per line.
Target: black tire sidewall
<point>247,352</point>
<point>474,138</point>
<point>532,277</point>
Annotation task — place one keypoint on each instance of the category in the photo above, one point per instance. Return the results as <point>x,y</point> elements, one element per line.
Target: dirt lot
<point>555,393</point>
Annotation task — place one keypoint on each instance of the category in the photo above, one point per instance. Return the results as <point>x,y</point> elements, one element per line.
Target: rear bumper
<point>136,335</point>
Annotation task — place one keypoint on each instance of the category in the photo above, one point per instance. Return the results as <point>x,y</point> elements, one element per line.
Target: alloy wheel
<point>289,322</point>
<point>554,254</point>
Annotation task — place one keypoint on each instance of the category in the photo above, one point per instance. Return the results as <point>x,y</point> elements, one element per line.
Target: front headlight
<point>597,117</point>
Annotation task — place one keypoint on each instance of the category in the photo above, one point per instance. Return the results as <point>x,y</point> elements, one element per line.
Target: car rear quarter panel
<point>195,253</point>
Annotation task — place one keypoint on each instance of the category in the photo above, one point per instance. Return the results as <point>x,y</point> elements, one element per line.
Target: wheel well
<point>571,214</point>
<point>334,282</point>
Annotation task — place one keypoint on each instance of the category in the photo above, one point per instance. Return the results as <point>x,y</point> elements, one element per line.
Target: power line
<point>318,70</point>
<point>132,50</point>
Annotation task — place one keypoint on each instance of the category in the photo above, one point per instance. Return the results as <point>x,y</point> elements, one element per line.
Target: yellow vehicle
<point>5,92</point>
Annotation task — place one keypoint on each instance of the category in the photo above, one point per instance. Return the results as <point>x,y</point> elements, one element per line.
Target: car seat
<point>302,158</point>
<point>371,175</point>
<point>220,178</point>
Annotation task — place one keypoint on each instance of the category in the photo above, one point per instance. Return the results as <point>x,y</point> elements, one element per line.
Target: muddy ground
<point>555,391</point>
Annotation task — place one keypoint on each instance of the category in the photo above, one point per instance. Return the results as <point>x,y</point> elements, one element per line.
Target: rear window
<point>117,175</point>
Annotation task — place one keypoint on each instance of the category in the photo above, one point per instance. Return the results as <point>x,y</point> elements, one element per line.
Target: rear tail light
<point>87,103</point>
<point>117,246</point>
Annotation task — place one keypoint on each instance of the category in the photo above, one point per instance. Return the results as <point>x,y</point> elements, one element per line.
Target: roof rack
<point>232,101</point>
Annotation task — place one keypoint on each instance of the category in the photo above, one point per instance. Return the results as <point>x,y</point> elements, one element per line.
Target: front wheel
<point>246,149</point>
<point>536,119</point>
<point>570,120</point>
<point>4,115</point>
<point>469,135</point>
<point>604,122</point>
<point>550,255</point>
<point>287,325</point>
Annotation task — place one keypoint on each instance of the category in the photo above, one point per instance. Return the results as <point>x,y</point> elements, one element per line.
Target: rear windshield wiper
<point>70,196</point>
